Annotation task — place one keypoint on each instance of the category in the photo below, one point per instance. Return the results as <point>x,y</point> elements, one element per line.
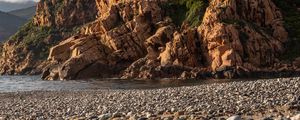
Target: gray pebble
<point>235,117</point>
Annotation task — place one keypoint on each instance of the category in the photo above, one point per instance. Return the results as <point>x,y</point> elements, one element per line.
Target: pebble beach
<point>260,99</point>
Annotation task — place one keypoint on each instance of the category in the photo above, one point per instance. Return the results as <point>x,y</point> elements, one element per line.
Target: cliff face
<point>142,39</point>
<point>64,13</point>
<point>26,51</point>
<point>248,33</point>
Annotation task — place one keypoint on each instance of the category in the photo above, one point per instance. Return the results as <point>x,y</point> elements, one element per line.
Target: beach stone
<point>179,113</point>
<point>235,117</point>
<point>134,117</point>
<point>105,116</point>
<point>142,118</point>
<point>117,114</point>
<point>182,117</point>
<point>260,98</point>
<point>296,117</point>
<point>268,118</point>
<point>2,117</point>
<point>167,117</point>
<point>148,115</point>
<point>129,114</point>
<point>173,109</point>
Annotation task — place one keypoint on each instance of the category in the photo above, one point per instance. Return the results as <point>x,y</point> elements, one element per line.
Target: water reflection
<point>34,83</point>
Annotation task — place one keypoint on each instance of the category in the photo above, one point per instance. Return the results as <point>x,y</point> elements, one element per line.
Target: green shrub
<point>33,38</point>
<point>292,24</point>
<point>191,11</point>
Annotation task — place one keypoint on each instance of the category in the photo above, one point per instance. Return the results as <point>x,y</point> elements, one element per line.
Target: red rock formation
<point>242,33</point>
<point>54,20</point>
<point>234,37</point>
<point>121,35</point>
<point>135,39</point>
<point>65,13</point>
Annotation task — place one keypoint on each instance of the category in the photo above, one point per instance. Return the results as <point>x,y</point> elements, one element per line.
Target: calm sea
<point>34,83</point>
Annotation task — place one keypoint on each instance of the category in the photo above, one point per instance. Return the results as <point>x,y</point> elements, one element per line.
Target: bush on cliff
<point>191,11</point>
<point>292,24</point>
<point>33,38</point>
<point>39,39</point>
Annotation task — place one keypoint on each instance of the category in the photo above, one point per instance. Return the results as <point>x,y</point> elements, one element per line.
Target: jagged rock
<point>45,30</point>
<point>76,55</point>
<point>136,39</point>
<point>137,33</point>
<point>184,51</point>
<point>12,55</point>
<point>149,69</point>
<point>66,13</point>
<point>156,42</point>
<point>123,37</point>
<point>230,39</point>
<point>168,50</point>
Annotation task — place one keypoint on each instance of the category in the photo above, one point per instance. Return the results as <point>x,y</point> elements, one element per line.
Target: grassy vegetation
<point>35,38</point>
<point>292,24</point>
<point>54,8</point>
<point>191,11</point>
<point>39,39</point>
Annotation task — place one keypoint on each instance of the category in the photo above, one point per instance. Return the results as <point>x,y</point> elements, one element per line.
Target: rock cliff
<point>144,39</point>
<point>248,33</point>
<point>26,51</point>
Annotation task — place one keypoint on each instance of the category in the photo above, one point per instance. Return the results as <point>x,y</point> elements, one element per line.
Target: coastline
<point>260,99</point>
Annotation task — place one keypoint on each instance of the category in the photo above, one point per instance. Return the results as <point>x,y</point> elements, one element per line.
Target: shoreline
<point>276,98</point>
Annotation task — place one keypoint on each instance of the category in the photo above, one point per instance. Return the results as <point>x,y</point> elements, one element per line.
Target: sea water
<point>35,83</point>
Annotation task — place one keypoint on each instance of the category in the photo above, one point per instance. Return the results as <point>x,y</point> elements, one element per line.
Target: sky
<point>17,1</point>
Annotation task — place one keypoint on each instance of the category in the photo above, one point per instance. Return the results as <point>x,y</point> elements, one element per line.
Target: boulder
<point>77,55</point>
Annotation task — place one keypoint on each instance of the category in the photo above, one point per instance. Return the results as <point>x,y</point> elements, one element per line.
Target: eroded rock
<point>236,33</point>
<point>136,39</point>
<point>27,50</point>
<point>234,39</point>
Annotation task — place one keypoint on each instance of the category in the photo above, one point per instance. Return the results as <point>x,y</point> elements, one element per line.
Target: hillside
<point>9,24</point>
<point>26,13</point>
<point>28,49</point>
<point>9,6</point>
<point>188,39</point>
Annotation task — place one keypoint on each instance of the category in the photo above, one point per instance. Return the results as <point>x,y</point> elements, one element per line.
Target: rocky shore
<point>260,99</point>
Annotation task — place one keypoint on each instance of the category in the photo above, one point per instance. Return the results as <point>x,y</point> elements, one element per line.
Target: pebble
<point>296,117</point>
<point>117,114</point>
<point>105,116</point>
<point>2,118</point>
<point>148,115</point>
<point>142,118</point>
<point>182,118</point>
<point>207,101</point>
<point>235,117</point>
